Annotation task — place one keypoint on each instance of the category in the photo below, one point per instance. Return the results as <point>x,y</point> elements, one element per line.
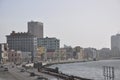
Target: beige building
<point>40,55</point>
<point>4,56</point>
<point>15,56</point>
<point>81,54</point>
<point>36,29</point>
<point>62,54</point>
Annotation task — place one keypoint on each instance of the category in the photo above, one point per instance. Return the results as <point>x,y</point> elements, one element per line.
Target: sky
<point>85,23</point>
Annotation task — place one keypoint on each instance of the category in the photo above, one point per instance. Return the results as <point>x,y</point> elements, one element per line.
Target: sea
<point>92,69</point>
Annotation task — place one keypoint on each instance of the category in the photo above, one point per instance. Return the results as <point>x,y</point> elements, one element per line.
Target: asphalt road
<point>15,74</point>
<point>7,76</point>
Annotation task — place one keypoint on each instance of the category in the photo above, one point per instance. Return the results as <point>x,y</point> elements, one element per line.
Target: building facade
<point>62,54</point>
<point>115,45</point>
<point>51,44</point>
<point>104,53</point>
<point>36,29</point>
<point>69,52</point>
<point>3,52</point>
<point>26,57</point>
<point>79,53</point>
<point>0,53</point>
<point>15,56</point>
<point>24,42</point>
<point>41,53</point>
<point>90,53</point>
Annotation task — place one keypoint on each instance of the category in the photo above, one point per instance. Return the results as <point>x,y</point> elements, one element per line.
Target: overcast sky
<point>85,23</point>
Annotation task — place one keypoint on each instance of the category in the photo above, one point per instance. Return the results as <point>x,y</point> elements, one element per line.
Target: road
<point>7,76</point>
<point>15,74</point>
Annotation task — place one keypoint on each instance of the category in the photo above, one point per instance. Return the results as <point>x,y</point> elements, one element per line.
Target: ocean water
<point>92,70</point>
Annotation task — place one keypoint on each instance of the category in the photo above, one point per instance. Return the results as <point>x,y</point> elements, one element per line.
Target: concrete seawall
<point>62,75</point>
<point>62,62</point>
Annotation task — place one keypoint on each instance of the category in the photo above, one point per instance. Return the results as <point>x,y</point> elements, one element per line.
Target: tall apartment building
<point>24,42</point>
<point>115,45</point>
<point>51,44</point>
<point>36,29</point>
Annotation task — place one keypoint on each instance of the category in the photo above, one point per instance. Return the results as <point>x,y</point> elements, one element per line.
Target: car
<point>32,74</point>
<point>22,70</point>
<point>1,66</point>
<point>5,69</point>
<point>41,78</point>
<point>12,66</point>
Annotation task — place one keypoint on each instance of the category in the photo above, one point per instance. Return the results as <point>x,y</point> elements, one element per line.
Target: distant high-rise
<point>115,45</point>
<point>36,29</point>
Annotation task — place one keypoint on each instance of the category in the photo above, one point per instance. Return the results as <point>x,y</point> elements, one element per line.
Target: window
<point>15,54</point>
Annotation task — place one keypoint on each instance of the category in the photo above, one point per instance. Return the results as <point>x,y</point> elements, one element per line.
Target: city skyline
<point>74,22</point>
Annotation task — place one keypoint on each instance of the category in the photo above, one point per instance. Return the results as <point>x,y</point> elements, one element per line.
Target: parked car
<point>5,69</point>
<point>22,70</point>
<point>32,74</point>
<point>1,66</point>
<point>41,78</point>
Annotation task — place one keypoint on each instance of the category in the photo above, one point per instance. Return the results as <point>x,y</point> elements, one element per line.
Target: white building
<point>3,53</point>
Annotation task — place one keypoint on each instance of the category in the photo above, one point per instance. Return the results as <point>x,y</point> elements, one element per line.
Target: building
<point>115,45</point>
<point>104,53</point>
<point>24,42</point>
<point>3,52</point>
<point>0,53</point>
<point>51,44</point>
<point>79,53</point>
<point>90,53</point>
<point>69,52</point>
<point>15,56</point>
<point>62,54</point>
<point>41,53</point>
<point>36,29</point>
<point>26,57</point>
<point>76,52</point>
<point>51,56</point>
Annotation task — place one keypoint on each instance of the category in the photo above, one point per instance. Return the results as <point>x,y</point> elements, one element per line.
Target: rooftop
<point>20,34</point>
